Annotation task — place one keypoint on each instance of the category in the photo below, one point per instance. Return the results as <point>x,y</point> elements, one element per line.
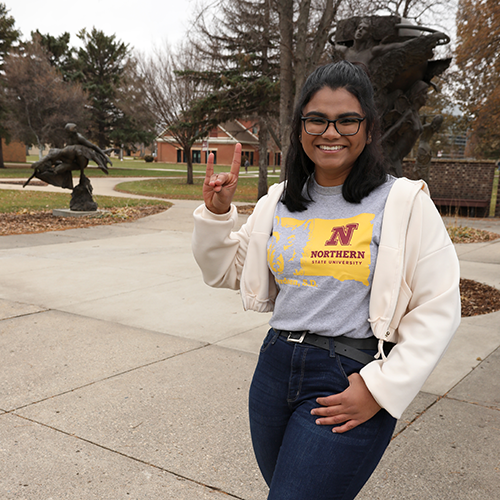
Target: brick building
<point>221,142</point>
<point>14,152</point>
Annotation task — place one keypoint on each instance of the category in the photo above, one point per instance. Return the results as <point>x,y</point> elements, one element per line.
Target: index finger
<point>210,166</point>
<point>235,165</point>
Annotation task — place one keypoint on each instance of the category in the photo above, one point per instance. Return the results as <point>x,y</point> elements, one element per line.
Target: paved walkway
<point>123,376</point>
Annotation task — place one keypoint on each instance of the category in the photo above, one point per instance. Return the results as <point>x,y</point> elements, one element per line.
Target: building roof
<point>229,132</point>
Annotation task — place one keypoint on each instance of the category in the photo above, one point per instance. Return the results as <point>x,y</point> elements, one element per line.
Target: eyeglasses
<point>314,125</point>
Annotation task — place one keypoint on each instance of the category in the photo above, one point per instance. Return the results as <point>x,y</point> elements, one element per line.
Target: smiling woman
<point>336,253</point>
<point>333,152</point>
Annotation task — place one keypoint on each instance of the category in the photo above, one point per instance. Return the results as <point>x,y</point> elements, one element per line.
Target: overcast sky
<point>142,24</point>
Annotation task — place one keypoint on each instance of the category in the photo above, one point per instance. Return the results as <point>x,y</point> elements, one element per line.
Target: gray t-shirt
<point>323,261</point>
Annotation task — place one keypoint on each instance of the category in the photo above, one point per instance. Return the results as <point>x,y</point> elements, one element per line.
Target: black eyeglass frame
<point>305,118</point>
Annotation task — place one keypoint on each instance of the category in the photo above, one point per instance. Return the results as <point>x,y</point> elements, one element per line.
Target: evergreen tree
<point>100,68</point>
<point>135,121</point>
<point>59,53</point>
<point>242,47</point>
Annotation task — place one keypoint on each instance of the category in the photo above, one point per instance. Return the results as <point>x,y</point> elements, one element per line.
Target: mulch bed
<point>477,298</point>
<point>27,222</point>
<point>465,234</point>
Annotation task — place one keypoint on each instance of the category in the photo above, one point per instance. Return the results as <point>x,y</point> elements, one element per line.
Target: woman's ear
<point>369,136</point>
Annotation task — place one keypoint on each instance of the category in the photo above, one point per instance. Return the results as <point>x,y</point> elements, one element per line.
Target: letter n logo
<point>342,234</point>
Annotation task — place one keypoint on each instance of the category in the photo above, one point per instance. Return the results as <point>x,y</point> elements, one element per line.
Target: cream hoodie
<point>415,298</point>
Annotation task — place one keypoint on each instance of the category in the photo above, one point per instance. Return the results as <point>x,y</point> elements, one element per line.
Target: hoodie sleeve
<point>431,283</point>
<point>221,252</point>
<point>218,251</point>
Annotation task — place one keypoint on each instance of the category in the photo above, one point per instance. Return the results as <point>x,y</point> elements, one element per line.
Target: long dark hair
<point>368,172</point>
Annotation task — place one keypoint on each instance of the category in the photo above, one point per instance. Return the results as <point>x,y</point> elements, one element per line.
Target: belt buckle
<point>296,340</point>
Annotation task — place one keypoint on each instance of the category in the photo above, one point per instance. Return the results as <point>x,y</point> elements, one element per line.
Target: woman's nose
<point>331,131</point>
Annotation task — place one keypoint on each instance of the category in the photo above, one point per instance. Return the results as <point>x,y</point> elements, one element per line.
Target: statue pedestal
<point>66,212</point>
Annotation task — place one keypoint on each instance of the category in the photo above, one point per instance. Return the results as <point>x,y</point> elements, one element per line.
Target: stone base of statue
<point>81,197</point>
<point>66,212</point>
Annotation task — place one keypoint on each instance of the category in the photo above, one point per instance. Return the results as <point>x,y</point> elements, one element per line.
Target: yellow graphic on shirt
<point>339,248</point>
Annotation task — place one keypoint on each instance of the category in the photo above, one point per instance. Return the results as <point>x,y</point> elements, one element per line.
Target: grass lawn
<point>178,189</point>
<point>12,201</point>
<point>126,168</point>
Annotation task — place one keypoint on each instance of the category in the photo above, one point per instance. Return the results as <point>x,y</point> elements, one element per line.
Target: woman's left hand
<point>352,407</point>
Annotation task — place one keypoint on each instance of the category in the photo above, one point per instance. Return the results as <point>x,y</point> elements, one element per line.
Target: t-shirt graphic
<point>339,248</point>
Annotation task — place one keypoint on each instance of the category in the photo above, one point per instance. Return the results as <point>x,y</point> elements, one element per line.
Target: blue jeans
<point>299,459</point>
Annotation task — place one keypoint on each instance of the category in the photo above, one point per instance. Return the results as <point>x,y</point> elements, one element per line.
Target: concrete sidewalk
<point>124,376</point>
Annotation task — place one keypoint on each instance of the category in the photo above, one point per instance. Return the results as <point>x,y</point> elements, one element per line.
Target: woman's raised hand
<point>219,189</point>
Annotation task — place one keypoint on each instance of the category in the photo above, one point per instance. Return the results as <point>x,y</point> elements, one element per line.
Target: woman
<point>352,262</point>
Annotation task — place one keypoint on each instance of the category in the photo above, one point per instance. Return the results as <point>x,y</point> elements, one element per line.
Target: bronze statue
<point>401,125</point>
<point>56,168</point>
<point>424,152</point>
<point>397,56</point>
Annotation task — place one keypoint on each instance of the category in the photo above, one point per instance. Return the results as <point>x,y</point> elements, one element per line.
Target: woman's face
<point>333,154</point>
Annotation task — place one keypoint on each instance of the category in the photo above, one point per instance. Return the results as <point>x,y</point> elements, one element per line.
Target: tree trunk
<point>285,10</point>
<point>40,148</point>
<point>2,164</point>
<point>263,140</point>
<point>189,162</point>
<point>322,32</point>
<point>301,52</point>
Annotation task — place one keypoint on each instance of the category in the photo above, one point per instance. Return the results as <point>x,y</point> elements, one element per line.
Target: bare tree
<point>41,102</point>
<point>305,26</point>
<point>304,29</point>
<point>478,75</point>
<point>171,97</point>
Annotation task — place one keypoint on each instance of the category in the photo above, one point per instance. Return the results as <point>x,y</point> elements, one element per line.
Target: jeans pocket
<point>342,370</point>
<point>268,340</point>
<point>349,366</point>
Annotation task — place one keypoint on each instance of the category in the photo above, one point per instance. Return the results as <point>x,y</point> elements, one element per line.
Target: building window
<point>247,155</point>
<point>196,156</point>
<point>215,156</point>
<point>277,159</point>
<point>179,156</point>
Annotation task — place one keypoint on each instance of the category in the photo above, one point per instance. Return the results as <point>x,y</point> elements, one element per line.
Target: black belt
<point>345,346</point>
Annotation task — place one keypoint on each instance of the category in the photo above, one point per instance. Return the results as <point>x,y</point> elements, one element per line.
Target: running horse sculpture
<point>56,168</point>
